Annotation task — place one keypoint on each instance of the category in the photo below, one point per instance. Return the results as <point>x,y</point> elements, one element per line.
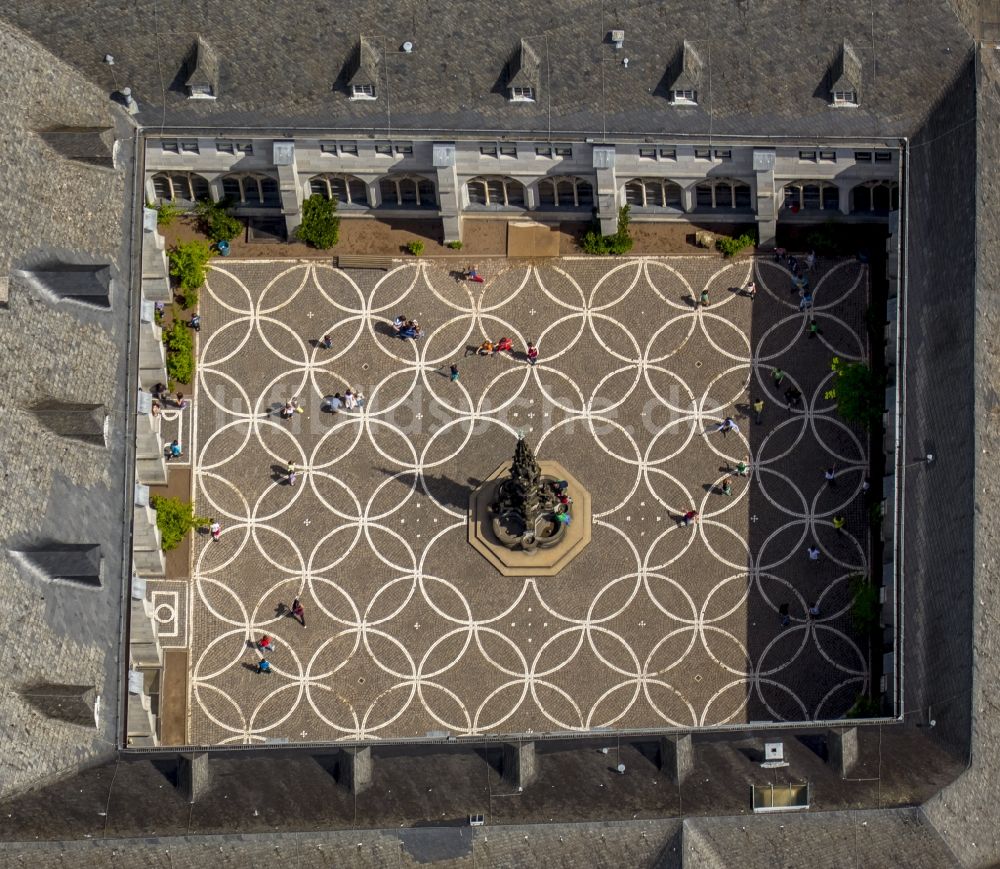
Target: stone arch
<point>252,189</point>
<point>346,189</point>
<point>565,191</point>
<point>811,195</point>
<point>654,193</point>
<point>407,191</point>
<point>180,188</point>
<point>495,191</point>
<point>714,194</point>
<point>875,197</point>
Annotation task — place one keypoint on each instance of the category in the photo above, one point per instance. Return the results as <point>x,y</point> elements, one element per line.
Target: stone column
<point>677,757</point>
<point>215,189</point>
<point>519,768</point>
<point>845,196</point>
<point>607,188</point>
<point>288,184</point>
<point>356,769</point>
<point>449,191</point>
<point>688,197</point>
<point>766,208</point>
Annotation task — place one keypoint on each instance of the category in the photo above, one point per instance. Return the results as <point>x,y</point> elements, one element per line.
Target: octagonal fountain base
<point>539,562</point>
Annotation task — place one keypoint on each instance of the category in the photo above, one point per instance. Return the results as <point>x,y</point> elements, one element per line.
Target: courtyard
<point>409,633</point>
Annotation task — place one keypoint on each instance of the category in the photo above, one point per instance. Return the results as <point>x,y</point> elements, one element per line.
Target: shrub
<point>733,246</point>
<point>858,391</point>
<point>175,518</point>
<point>216,221</point>
<point>864,707</point>
<point>320,225</point>
<point>415,247</point>
<point>180,351</point>
<point>187,264</point>
<point>865,605</point>
<point>455,245</point>
<point>609,245</point>
<point>166,213</point>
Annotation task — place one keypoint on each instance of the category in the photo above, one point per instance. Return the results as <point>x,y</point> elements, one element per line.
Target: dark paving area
<point>409,632</point>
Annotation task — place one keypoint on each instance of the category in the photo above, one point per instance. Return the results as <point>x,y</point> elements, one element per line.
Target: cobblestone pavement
<point>409,631</point>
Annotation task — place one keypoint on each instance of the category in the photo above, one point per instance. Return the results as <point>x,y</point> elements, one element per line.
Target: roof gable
<point>845,72</point>
<point>203,70</point>
<point>524,68</point>
<point>363,68</point>
<point>685,71</point>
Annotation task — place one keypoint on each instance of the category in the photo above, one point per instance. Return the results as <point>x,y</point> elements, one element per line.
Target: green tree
<point>187,264</point>
<point>180,351</point>
<point>216,221</point>
<point>609,245</point>
<point>175,518</point>
<point>320,225</point>
<point>858,391</point>
<point>415,247</point>
<point>865,604</point>
<point>733,246</point>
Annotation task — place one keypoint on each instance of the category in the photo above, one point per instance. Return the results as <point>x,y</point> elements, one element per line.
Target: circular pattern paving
<point>409,632</point>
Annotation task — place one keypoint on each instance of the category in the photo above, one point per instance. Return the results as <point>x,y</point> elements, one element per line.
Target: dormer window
<point>845,77</point>
<point>684,76</point>
<point>523,74</point>
<point>202,72</point>
<point>362,72</point>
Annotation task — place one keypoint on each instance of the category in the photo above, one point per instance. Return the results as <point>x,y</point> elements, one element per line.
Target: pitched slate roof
<point>767,71</point>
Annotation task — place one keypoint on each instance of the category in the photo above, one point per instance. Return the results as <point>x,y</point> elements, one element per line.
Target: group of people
<point>265,645</point>
<point>406,328</point>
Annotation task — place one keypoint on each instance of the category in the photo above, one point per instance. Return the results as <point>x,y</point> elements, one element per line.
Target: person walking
<point>532,354</point>
<point>814,611</point>
<point>689,518</point>
<point>196,322</point>
<point>298,612</point>
<point>263,666</point>
<point>866,484</point>
<point>265,645</point>
<point>805,300</point>
<point>472,274</point>
<point>326,343</point>
<point>792,396</point>
<point>291,472</point>
<point>454,372</point>
<point>783,612</point>
<point>813,553</point>
<point>350,401</point>
<point>504,345</point>
<point>727,486</point>
<point>758,409</point>
<point>751,290</point>
<point>181,401</point>
<point>727,425</point>
<point>486,348</point>
<point>838,524</point>
<point>703,298</point>
<point>215,529</point>
<point>814,329</point>
<point>810,261</point>
<point>830,475</point>
<point>743,467</point>
<point>777,375</point>
<point>174,450</point>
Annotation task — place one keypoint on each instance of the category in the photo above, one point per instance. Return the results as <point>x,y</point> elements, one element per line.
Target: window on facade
<point>171,146</point>
<point>348,149</point>
<point>812,196</point>
<point>252,190</point>
<point>225,147</point>
<point>653,193</point>
<point>565,192</point>
<point>543,150</point>
<point>845,98</point>
<point>346,189</point>
<point>363,92</point>
<point>862,156</point>
<point>703,153</point>
<point>522,94</point>
<point>189,147</point>
<point>883,156</point>
<point>383,149</point>
<point>407,191</point>
<point>875,196</point>
<point>328,147</point>
<point>723,193</point>
<point>827,156</point>
<point>180,187</point>
<point>684,96</point>
<point>508,150</point>
<point>668,153</point>
<point>488,150</point>
<point>404,149</point>
<point>807,156</point>
<point>495,191</point>
<point>723,154</point>
<point>563,151</point>
<point>647,153</point>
